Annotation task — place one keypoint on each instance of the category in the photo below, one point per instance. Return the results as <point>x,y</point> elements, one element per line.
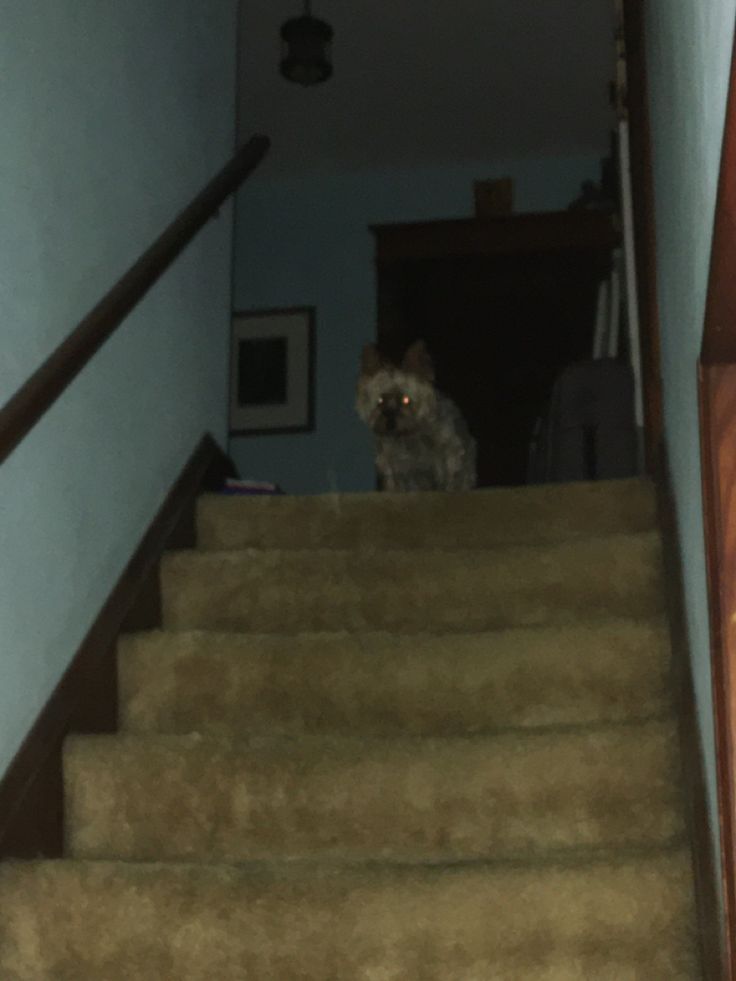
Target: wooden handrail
<point>24,409</point>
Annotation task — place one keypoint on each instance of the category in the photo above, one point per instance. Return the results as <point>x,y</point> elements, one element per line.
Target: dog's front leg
<point>442,473</point>
<point>458,466</point>
<point>387,478</point>
<point>389,481</point>
<point>445,463</point>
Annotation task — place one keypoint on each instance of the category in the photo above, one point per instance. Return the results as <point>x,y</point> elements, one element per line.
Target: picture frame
<point>272,355</point>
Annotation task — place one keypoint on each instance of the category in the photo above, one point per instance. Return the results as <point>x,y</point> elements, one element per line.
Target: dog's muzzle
<point>390,418</point>
<point>387,420</point>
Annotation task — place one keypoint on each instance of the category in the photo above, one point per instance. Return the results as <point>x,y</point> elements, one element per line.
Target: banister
<point>24,409</point>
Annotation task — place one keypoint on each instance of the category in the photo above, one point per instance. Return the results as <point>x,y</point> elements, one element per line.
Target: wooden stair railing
<point>85,699</point>
<point>717,394</point>
<point>24,409</point>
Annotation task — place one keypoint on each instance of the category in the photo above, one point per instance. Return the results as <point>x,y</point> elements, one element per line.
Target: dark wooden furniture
<point>503,304</point>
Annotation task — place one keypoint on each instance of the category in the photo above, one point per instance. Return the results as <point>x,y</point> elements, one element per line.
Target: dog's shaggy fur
<point>422,442</point>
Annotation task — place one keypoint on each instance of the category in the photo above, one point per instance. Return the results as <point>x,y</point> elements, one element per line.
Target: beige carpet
<point>382,738</point>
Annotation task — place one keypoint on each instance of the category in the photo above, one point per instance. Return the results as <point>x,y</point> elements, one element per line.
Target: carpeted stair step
<point>389,684</point>
<point>553,512</point>
<point>272,590</point>
<point>631,920</point>
<point>441,750</point>
<point>520,793</point>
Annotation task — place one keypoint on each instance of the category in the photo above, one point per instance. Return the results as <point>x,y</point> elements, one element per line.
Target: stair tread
<point>387,683</point>
<point>386,737</point>
<point>477,518</point>
<point>282,590</point>
<point>218,799</point>
<point>626,917</point>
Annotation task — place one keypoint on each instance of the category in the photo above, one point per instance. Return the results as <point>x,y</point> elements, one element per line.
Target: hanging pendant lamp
<point>306,49</point>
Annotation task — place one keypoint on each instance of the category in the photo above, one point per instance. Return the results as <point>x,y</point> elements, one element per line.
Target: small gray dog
<point>422,442</point>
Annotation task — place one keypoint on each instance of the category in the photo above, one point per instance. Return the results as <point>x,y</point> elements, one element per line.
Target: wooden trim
<point>717,392</point>
<point>85,700</point>
<point>705,862</point>
<point>503,235</point>
<point>717,395</point>
<point>719,333</point>
<point>645,236</point>
<point>47,383</point>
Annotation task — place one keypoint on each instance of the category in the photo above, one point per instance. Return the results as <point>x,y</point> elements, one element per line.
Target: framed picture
<point>272,371</point>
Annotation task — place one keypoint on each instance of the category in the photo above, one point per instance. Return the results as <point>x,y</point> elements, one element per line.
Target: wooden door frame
<point>717,395</point>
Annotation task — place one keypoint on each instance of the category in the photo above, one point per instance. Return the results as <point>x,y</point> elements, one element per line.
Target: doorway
<point>502,305</point>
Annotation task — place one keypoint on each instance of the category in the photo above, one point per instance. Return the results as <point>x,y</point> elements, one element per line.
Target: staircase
<point>382,738</point>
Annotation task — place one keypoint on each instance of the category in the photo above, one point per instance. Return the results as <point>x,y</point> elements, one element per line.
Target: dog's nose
<point>389,414</point>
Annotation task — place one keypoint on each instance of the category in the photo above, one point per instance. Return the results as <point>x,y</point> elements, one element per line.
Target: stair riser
<point>378,684</point>
<point>282,591</point>
<point>65,921</point>
<point>188,799</point>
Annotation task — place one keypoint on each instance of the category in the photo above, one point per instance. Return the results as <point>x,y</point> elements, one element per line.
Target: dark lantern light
<point>306,48</point>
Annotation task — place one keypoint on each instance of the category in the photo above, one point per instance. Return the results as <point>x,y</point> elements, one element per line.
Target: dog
<point>421,439</point>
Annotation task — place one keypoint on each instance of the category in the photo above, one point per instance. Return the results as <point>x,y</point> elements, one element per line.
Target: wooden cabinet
<point>503,304</point>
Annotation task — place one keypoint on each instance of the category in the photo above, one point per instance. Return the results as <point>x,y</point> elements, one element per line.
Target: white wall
<point>114,115</point>
<point>307,242</point>
<point>689,52</point>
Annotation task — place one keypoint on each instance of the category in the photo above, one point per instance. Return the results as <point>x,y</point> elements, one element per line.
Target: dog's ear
<point>417,361</point>
<point>370,360</point>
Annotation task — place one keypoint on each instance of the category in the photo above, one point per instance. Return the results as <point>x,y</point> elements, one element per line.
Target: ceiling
<point>422,82</point>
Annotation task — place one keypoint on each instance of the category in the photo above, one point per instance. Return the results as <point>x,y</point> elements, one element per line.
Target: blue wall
<point>689,51</point>
<point>306,242</point>
<point>114,115</point>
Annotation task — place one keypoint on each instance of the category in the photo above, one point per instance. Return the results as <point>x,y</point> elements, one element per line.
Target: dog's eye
<point>380,401</point>
<point>406,400</point>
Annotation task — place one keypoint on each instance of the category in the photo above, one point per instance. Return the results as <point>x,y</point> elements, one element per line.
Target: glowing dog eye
<point>380,401</point>
<point>406,400</point>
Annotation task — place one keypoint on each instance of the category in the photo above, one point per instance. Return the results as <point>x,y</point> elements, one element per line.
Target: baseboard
<point>706,867</point>
<point>85,700</point>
